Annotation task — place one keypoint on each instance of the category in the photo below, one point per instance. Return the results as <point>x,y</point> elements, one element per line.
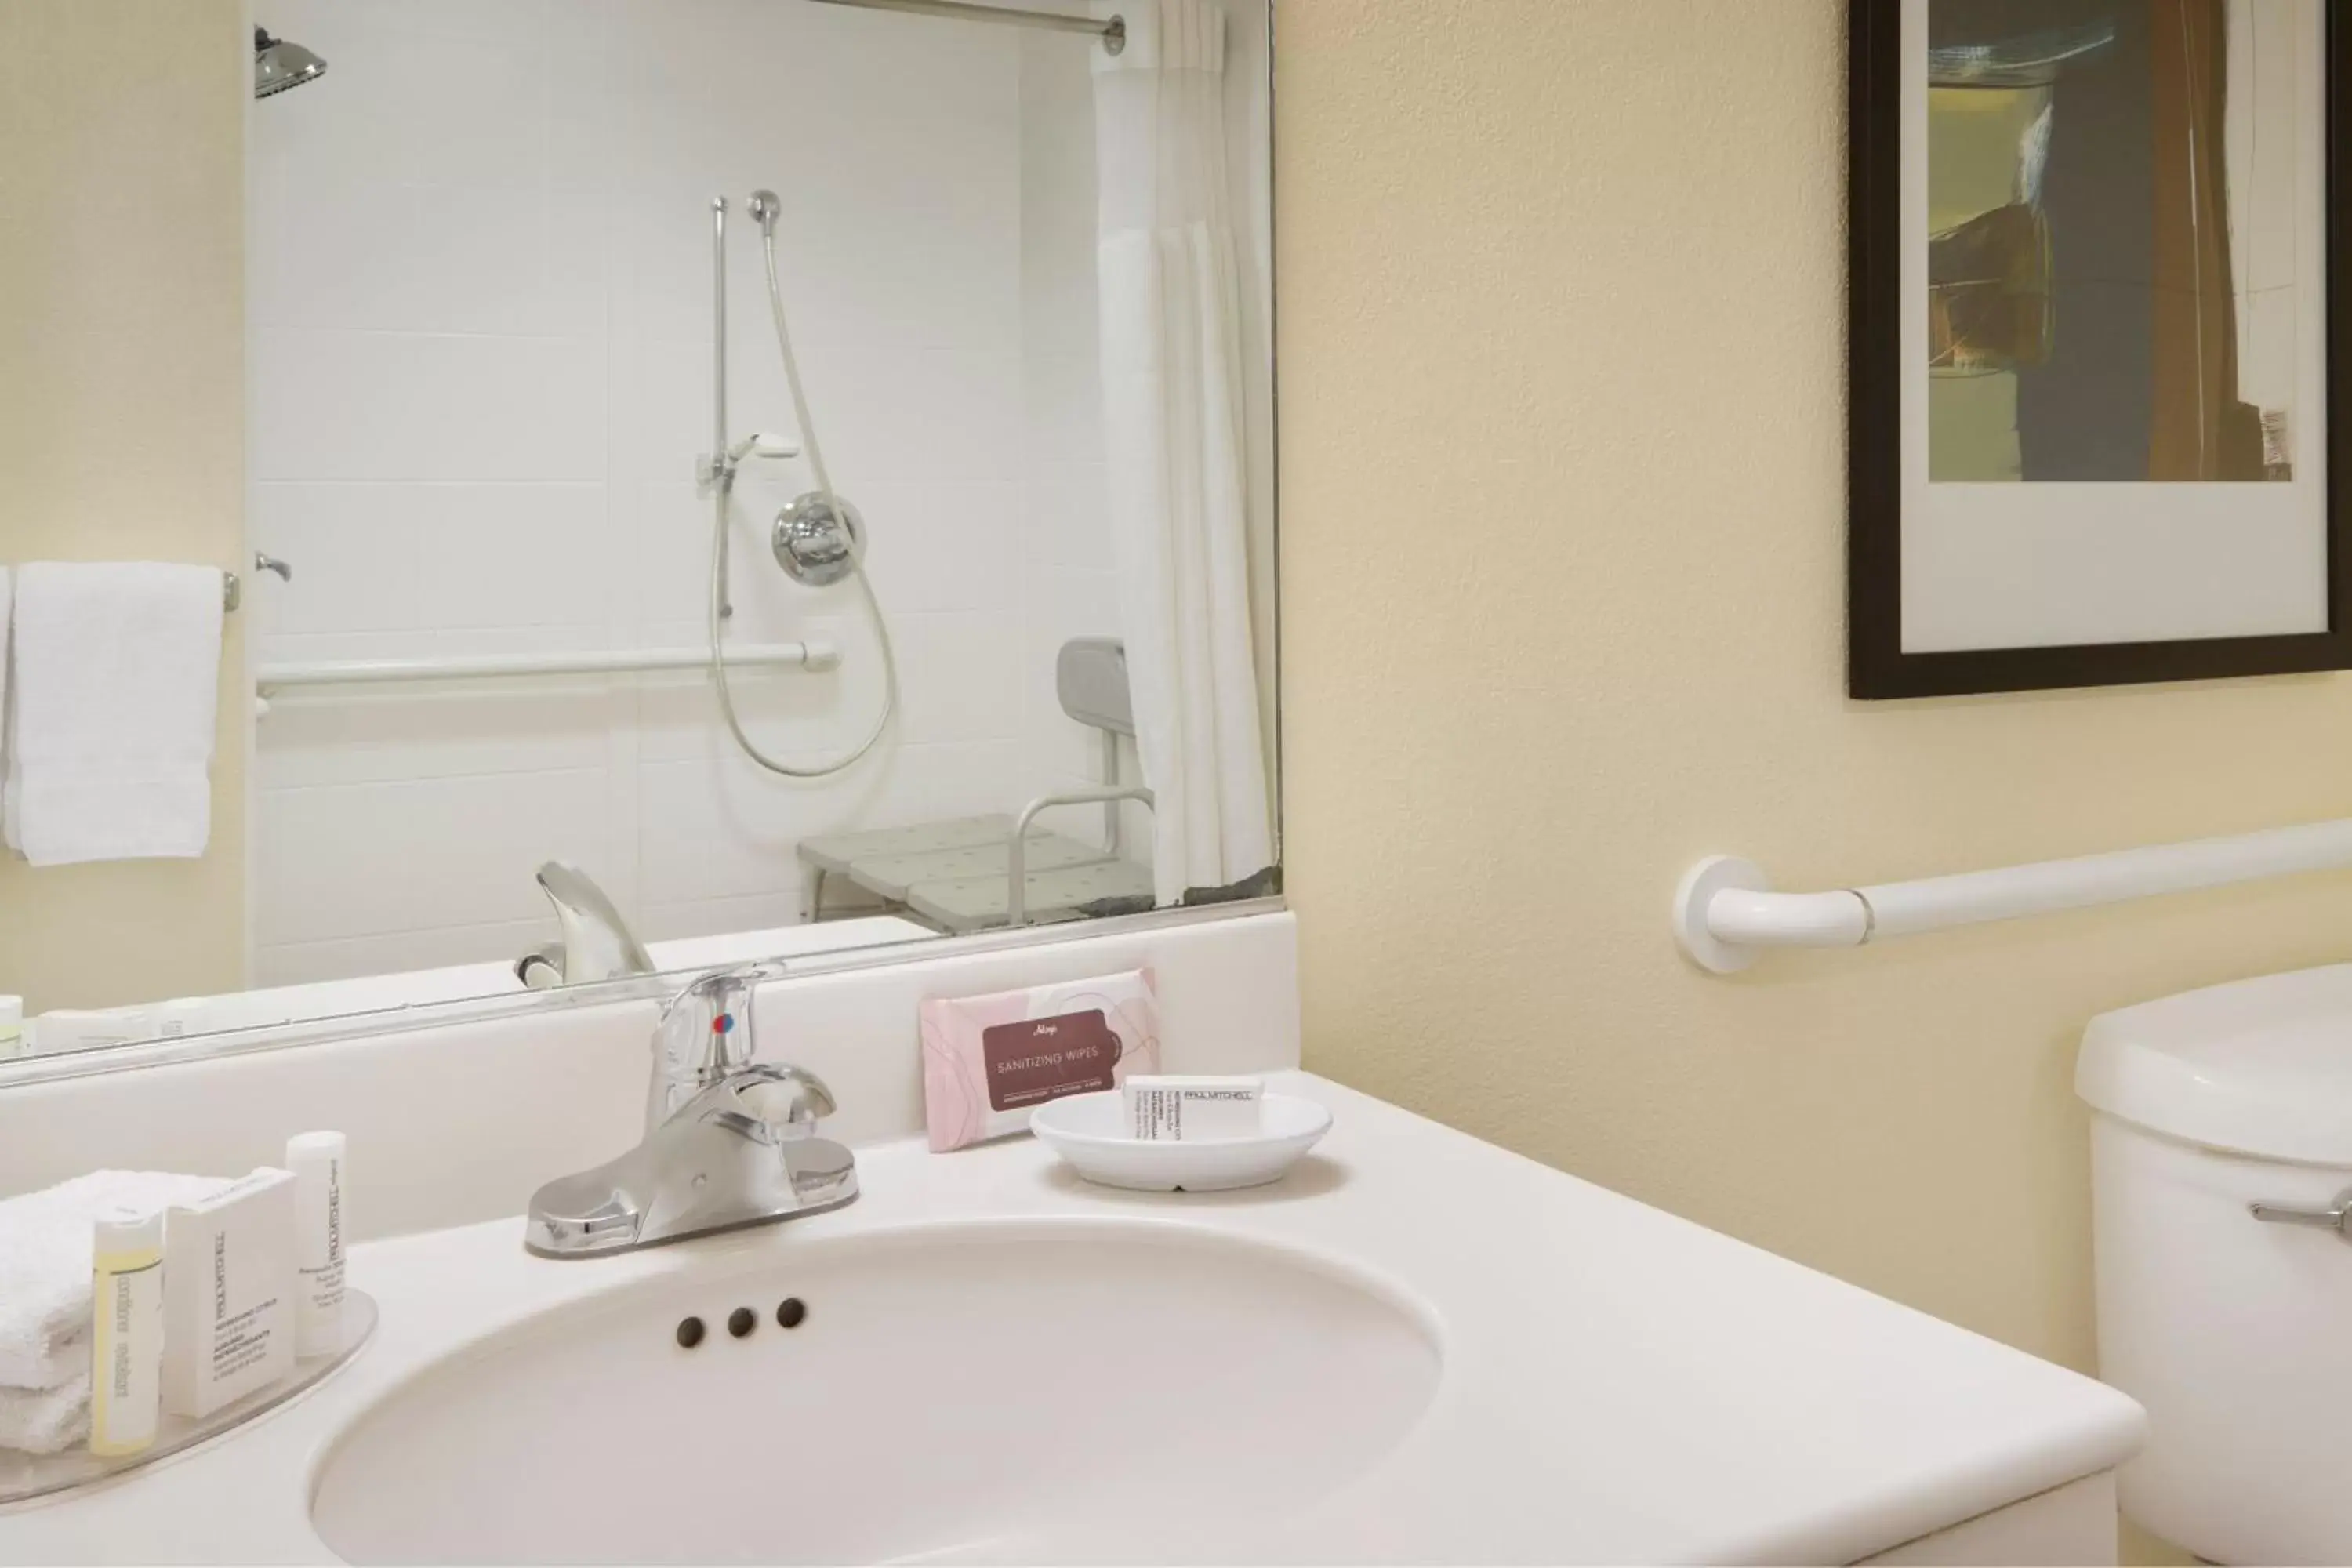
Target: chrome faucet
<point>597,943</point>
<point>728,1141</point>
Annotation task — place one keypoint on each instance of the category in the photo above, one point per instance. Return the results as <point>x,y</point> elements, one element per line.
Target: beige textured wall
<point>1560,334</point>
<point>122,417</point>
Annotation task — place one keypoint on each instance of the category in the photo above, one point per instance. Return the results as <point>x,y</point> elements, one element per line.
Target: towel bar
<point>233,589</point>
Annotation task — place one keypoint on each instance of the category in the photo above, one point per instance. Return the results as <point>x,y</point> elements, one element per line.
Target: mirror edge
<point>98,1060</point>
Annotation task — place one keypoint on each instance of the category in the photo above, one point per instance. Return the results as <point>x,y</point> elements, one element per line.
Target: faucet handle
<point>705,1034</point>
<point>771,1101</point>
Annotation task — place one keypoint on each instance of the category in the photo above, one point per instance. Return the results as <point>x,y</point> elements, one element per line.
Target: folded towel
<point>7,685</point>
<point>117,682</point>
<point>45,1244</point>
<point>46,1421</point>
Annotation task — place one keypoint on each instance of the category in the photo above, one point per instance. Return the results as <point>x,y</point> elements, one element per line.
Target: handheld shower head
<point>765,209</point>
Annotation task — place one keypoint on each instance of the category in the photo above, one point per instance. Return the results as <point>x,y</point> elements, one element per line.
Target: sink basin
<point>977,1391</point>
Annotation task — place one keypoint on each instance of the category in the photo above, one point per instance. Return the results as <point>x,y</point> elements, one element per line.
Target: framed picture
<point>2092,249</point>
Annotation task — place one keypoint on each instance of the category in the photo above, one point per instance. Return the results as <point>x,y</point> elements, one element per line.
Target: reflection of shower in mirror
<point>819,539</point>
<point>279,64</point>
<point>964,623</point>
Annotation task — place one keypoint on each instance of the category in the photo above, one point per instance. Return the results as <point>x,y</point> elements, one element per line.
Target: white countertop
<point>1617,1385</point>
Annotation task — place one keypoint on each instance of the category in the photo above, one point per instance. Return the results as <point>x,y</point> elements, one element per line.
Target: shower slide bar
<point>815,655</point>
<point>1726,912</point>
<point>1113,33</point>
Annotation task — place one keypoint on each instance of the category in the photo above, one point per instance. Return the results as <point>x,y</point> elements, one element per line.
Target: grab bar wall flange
<point>1726,914</point>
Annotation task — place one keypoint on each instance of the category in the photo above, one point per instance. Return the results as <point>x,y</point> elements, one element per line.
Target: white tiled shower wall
<point>480,300</point>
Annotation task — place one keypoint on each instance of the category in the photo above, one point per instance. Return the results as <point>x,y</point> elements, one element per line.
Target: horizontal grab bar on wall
<point>815,655</point>
<point>1726,912</point>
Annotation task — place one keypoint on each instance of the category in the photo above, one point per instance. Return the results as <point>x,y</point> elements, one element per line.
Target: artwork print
<point>2091,252</point>
<point>2112,256</point>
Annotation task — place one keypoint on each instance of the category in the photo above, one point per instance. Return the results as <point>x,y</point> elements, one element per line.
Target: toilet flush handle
<point>2331,1218</point>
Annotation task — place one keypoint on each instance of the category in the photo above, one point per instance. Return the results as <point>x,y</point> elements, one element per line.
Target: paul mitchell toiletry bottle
<point>126,1342</point>
<point>317,1161</point>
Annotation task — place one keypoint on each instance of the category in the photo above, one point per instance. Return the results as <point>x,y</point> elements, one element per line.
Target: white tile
<point>363,859</point>
<point>1066,520</point>
<point>395,406</point>
<point>1062,402</point>
<point>330,253</point>
<point>660,409</point>
<point>586,117</point>
<point>970,778</point>
<point>480,98</point>
<point>661,252</point>
<point>709,829</point>
<point>934,414</point>
<point>475,21</point>
<point>965,679</point>
<point>513,554</point>
<point>353,550</point>
<point>387,735</point>
<point>664,529</point>
<point>477,261</point>
<point>944,546</point>
<point>576,301</point>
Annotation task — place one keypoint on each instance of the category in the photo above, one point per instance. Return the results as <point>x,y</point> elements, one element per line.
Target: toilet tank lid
<point>2258,1067</point>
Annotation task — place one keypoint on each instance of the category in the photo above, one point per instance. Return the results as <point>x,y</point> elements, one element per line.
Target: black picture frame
<point>1877,666</point>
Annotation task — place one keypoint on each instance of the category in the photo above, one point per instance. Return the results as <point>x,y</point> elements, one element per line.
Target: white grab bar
<point>1726,913</point>
<point>815,655</point>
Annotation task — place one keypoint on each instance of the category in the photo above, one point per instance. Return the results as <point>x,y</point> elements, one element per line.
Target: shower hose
<point>718,552</point>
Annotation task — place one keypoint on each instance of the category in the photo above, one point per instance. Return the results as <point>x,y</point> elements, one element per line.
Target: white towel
<point>46,1421</point>
<point>111,733</point>
<point>7,685</point>
<point>44,1254</point>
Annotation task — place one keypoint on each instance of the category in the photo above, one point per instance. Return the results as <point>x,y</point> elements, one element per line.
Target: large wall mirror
<point>722,479</point>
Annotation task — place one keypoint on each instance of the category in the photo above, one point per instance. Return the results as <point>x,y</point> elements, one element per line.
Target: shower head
<point>279,64</point>
<point>765,206</point>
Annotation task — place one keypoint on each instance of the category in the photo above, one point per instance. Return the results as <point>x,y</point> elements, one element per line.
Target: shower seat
<point>957,875</point>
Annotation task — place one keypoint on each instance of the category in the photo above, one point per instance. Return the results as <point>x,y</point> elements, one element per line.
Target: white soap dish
<point>1089,1130</point>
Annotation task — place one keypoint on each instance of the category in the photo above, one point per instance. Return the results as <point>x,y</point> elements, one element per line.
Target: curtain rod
<point>1113,34</point>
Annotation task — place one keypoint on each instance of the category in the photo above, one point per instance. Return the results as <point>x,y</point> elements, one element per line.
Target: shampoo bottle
<point>126,1344</point>
<point>317,1161</point>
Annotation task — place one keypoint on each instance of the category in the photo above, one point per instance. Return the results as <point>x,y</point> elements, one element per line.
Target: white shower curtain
<point>1174,438</point>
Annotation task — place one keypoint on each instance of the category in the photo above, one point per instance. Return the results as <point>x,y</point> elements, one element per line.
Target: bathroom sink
<point>979,1390</point>
<point>1416,1347</point>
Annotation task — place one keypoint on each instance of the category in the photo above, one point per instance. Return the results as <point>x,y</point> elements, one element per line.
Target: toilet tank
<point>2234,1331</point>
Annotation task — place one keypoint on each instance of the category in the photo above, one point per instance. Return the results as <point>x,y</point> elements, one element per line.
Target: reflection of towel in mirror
<point>46,1420</point>
<point>7,606</point>
<point>117,672</point>
<point>45,1256</point>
